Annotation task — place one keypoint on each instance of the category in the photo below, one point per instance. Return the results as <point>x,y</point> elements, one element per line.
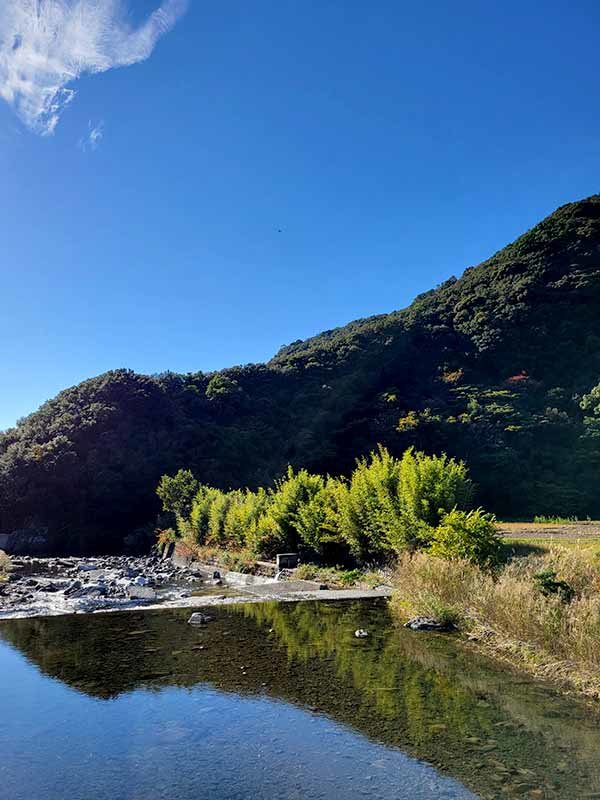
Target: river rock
<point>94,574</point>
<point>90,591</point>
<point>49,587</point>
<point>198,618</point>
<point>72,587</point>
<point>427,624</point>
<point>143,580</point>
<point>86,567</point>
<point>92,582</point>
<point>132,572</point>
<point>141,593</point>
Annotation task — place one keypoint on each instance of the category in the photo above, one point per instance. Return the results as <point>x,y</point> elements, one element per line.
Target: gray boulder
<point>428,624</point>
<point>198,618</point>
<point>141,593</point>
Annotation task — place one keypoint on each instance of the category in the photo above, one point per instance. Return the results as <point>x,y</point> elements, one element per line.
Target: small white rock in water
<point>198,618</point>
<point>361,634</point>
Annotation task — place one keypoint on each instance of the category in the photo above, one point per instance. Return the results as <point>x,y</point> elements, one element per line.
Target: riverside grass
<point>507,614</point>
<point>5,566</point>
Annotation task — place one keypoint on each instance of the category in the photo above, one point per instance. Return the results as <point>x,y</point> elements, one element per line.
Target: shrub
<point>264,538</point>
<point>549,585</point>
<point>336,576</point>
<point>387,506</point>
<point>239,560</point>
<point>471,536</point>
<point>165,536</point>
<point>217,514</point>
<point>392,505</point>
<point>243,516</point>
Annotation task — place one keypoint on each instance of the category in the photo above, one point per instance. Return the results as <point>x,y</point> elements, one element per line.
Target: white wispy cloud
<point>93,137</point>
<point>46,45</point>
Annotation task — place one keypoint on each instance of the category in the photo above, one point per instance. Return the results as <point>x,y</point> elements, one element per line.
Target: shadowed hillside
<point>500,367</point>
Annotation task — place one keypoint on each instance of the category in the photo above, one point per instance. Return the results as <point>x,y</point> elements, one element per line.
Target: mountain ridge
<point>493,367</point>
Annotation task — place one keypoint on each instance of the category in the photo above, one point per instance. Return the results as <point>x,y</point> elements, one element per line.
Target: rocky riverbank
<point>53,586</point>
<point>42,586</point>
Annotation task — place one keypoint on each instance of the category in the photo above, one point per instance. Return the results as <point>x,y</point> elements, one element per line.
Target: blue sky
<point>267,170</point>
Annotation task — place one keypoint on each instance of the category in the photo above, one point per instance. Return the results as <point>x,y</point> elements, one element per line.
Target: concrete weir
<point>246,588</point>
<point>283,593</point>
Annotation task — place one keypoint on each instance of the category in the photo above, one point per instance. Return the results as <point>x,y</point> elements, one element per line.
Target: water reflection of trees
<point>422,693</point>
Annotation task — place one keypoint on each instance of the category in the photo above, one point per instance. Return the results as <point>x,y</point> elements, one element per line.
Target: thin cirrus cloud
<point>46,45</point>
<point>93,137</point>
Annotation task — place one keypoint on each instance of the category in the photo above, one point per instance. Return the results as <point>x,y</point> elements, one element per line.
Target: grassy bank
<point>522,546</point>
<point>540,612</point>
<point>339,578</point>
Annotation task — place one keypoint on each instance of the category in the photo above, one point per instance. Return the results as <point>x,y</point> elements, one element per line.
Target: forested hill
<point>500,367</point>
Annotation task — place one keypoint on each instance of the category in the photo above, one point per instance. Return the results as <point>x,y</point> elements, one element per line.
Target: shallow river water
<point>276,700</point>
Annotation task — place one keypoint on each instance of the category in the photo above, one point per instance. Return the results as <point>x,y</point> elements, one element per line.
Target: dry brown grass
<point>508,612</point>
<point>5,566</point>
<point>241,560</point>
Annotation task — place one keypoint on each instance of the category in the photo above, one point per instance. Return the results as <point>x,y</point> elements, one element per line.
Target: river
<point>277,700</point>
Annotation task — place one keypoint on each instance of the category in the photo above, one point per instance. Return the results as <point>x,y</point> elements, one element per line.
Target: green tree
<point>590,404</point>
<point>222,387</point>
<point>279,525</point>
<point>318,519</point>
<point>369,509</point>
<point>197,525</point>
<point>431,486</point>
<point>177,492</point>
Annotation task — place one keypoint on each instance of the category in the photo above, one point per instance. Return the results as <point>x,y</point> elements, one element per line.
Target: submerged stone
<point>198,618</point>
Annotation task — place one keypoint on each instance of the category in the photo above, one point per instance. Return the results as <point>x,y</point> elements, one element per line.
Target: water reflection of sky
<point>181,744</point>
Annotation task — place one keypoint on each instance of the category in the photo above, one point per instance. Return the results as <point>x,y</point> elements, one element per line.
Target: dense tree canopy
<point>500,368</point>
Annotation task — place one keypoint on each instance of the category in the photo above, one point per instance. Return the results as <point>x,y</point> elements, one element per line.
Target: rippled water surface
<point>276,700</point>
